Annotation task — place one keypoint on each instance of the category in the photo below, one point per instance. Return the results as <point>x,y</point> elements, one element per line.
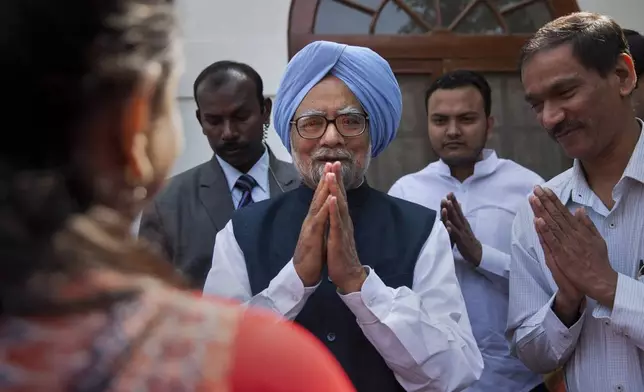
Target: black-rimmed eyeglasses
<point>314,126</point>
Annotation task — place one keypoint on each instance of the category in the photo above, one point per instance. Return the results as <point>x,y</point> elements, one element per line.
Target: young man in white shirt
<point>477,194</point>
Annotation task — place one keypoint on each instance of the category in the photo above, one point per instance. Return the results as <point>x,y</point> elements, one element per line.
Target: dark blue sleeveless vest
<point>389,234</point>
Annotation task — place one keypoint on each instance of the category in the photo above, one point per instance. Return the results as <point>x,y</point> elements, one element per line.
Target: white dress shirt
<point>489,199</point>
<point>604,350</point>
<point>422,333</point>
<point>259,172</point>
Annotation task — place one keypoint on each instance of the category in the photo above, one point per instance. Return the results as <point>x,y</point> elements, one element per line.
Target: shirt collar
<point>259,172</point>
<point>635,167</point>
<point>579,189</point>
<point>482,168</point>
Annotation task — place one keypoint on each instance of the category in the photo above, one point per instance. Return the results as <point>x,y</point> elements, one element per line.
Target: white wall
<point>255,32</point>
<point>628,13</point>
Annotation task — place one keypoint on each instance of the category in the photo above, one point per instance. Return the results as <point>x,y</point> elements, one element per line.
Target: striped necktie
<point>245,183</point>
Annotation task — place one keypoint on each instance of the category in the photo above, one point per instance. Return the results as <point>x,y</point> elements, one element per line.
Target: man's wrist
<point>354,284</point>
<point>606,290</point>
<point>476,256</point>
<point>567,310</point>
<point>307,280</point>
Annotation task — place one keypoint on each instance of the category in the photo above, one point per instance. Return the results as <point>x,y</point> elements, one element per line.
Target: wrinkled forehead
<point>330,97</point>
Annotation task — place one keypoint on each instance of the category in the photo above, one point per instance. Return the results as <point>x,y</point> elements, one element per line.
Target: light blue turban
<point>366,74</point>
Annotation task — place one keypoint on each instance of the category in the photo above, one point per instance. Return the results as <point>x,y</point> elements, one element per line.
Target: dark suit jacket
<point>185,217</point>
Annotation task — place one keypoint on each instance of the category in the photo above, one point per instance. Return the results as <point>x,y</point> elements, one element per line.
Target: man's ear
<point>266,113</point>
<point>137,123</point>
<point>490,127</point>
<point>198,115</point>
<point>625,71</point>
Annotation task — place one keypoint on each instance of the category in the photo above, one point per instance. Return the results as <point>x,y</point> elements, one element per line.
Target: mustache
<point>564,126</point>
<point>328,154</point>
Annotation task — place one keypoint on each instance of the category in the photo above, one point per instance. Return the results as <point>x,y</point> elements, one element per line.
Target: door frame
<point>414,54</point>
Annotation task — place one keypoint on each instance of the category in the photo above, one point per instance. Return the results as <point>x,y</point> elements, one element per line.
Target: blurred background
<point>420,38</point>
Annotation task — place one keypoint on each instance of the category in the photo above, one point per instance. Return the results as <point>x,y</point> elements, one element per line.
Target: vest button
<point>330,336</point>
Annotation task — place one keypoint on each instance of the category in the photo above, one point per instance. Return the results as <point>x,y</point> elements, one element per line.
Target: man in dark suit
<point>185,217</point>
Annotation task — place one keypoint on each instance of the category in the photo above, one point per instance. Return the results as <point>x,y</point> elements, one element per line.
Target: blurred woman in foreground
<point>90,85</point>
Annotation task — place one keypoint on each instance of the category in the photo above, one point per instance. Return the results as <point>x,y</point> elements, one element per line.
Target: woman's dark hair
<point>597,40</point>
<point>60,61</point>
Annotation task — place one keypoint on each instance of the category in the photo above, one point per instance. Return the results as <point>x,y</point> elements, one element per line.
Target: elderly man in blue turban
<point>372,276</point>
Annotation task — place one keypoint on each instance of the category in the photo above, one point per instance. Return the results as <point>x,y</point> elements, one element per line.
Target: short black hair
<point>597,40</point>
<point>462,78</point>
<point>636,47</point>
<point>219,73</point>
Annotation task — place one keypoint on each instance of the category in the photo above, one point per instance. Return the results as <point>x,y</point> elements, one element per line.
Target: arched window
<point>424,38</point>
<point>481,34</point>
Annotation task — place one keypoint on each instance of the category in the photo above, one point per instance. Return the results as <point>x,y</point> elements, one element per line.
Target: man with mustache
<point>478,195</point>
<point>370,275</point>
<point>576,284</point>
<point>234,115</point>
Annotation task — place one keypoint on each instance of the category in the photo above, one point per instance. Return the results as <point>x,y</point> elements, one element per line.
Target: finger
<point>335,221</point>
<point>539,227</point>
<point>449,227</point>
<point>321,217</point>
<point>459,210</point>
<point>450,231</point>
<point>337,169</point>
<point>541,212</point>
<point>328,168</point>
<point>453,231</point>
<point>551,261</point>
<point>334,214</point>
<point>453,215</point>
<point>444,215</point>
<point>444,206</point>
<point>335,189</point>
<point>560,207</point>
<point>546,234</point>
<point>321,193</point>
<point>537,207</point>
<point>550,201</point>
<point>586,222</point>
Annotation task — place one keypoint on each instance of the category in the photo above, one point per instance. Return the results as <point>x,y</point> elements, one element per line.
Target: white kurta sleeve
<point>228,278</point>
